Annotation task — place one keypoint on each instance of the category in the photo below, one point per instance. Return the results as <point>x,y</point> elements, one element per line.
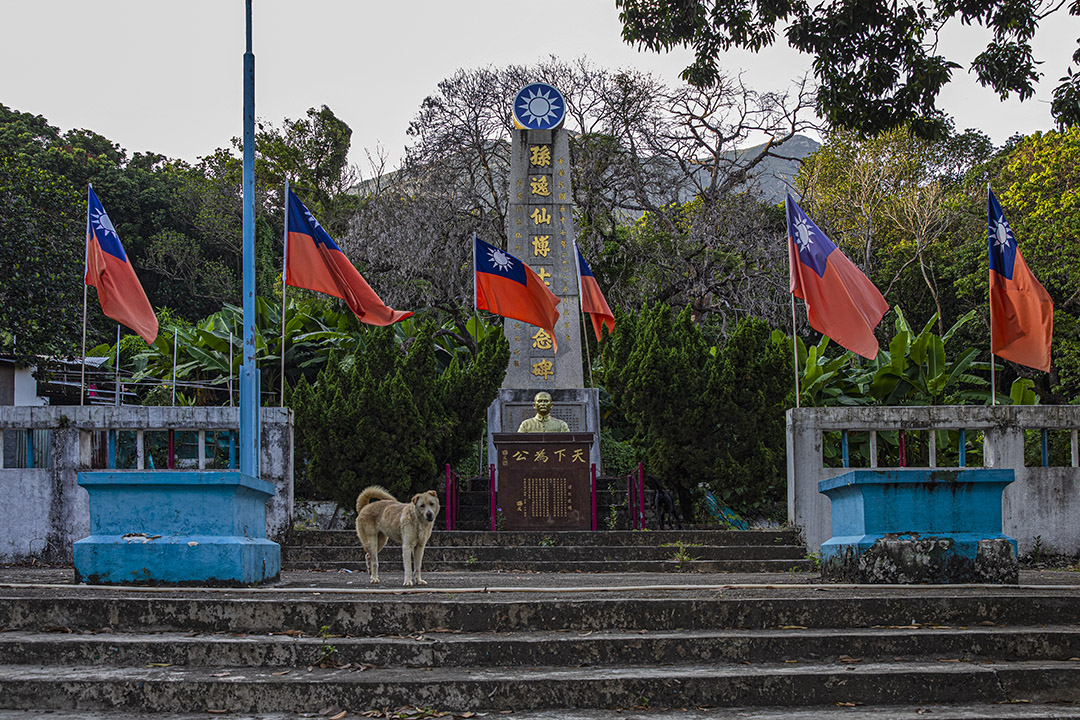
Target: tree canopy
<point>877,63</point>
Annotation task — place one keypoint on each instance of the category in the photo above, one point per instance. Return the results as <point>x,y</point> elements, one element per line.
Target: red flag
<point>508,287</point>
<point>1021,311</point>
<point>108,269</point>
<point>592,300</point>
<point>841,302</point>
<point>315,262</point>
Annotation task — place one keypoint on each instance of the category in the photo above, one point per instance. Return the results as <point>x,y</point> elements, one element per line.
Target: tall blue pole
<point>249,374</point>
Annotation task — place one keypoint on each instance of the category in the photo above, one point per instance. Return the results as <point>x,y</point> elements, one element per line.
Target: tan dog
<point>379,516</point>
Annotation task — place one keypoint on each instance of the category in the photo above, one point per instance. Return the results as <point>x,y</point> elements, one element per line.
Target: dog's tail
<point>371,494</point>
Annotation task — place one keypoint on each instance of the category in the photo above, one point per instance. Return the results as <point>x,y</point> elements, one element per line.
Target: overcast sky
<point>167,76</point>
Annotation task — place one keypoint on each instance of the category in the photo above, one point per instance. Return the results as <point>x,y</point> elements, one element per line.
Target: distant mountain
<point>774,176</point>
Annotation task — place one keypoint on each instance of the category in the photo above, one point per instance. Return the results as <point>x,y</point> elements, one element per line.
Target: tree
<point>388,416</point>
<point>753,386</point>
<point>876,62</point>
<point>41,251</point>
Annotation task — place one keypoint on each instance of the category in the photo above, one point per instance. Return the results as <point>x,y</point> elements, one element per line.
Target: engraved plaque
<point>544,480</point>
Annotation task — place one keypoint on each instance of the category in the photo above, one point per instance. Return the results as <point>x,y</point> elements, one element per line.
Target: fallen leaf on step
<point>158,664</point>
<point>987,623</point>
<point>281,672</point>
<point>792,627</point>
<point>223,673</point>
<point>1074,658</point>
<point>848,659</point>
<point>339,716</point>
<point>330,710</point>
<point>845,704</point>
<point>217,712</point>
<point>949,660</point>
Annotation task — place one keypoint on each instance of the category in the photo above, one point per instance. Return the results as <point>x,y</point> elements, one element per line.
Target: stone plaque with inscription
<point>544,480</point>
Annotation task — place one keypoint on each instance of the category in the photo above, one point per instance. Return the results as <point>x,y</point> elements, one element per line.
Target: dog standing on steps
<point>380,516</point>
<point>664,506</point>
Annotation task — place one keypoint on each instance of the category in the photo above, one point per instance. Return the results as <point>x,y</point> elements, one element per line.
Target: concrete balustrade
<point>1039,509</point>
<point>44,510</point>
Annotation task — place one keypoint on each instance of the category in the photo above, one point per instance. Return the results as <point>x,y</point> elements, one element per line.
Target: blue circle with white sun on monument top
<point>539,107</point>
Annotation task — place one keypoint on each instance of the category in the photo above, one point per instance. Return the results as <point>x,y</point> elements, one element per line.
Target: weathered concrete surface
<point>45,511</point>
<point>936,560</point>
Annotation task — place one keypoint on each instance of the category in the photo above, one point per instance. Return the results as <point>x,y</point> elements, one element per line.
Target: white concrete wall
<point>1041,503</point>
<point>26,387</point>
<point>44,510</point>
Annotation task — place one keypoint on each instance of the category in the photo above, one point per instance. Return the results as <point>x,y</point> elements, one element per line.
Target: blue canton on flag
<point>490,259</point>
<point>1002,241</point>
<point>813,245</point>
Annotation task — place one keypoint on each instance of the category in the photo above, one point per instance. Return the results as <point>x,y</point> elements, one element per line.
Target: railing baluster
<point>110,461</point>
<point>873,448</point>
<point>932,446</point>
<point>202,449</point>
<point>1045,439</point>
<point>140,450</point>
<point>844,448</point>
<point>1075,450</point>
<point>29,448</point>
<point>962,462</point>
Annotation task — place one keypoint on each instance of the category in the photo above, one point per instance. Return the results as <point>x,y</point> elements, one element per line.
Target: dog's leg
<point>418,560</point>
<point>406,559</point>
<point>377,545</point>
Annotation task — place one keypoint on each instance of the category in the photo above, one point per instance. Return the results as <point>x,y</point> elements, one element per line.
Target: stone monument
<point>541,233</point>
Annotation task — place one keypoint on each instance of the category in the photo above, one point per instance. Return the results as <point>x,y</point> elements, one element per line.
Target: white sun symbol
<point>538,106</point>
<point>311,219</point>
<point>802,234</point>
<point>1001,232</point>
<point>500,260</point>
<point>101,222</point>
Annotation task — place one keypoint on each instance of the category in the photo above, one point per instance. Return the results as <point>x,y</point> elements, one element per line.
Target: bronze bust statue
<point>542,422</point>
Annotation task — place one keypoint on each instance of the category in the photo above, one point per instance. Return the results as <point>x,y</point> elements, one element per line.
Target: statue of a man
<point>542,422</point>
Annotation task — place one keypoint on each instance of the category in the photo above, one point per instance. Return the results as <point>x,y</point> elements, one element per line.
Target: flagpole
<point>795,349</point>
<point>284,267</point>
<point>990,298</point>
<point>86,266</point>
<point>581,307</point>
<point>117,399</point>
<point>476,298</point>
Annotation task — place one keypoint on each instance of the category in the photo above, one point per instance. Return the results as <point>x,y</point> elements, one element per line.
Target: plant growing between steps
<point>326,651</point>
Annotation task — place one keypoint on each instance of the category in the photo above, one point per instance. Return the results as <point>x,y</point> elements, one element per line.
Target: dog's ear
<point>416,499</point>
<point>432,492</point>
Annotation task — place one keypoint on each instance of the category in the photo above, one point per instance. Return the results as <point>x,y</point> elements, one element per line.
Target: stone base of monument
<point>176,528</point>
<point>579,408</point>
<point>918,526</point>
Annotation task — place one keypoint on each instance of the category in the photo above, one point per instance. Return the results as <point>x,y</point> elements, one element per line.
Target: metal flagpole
<point>581,307</point>
<point>795,349</point>
<point>86,266</point>
<point>476,298</point>
<point>249,374</point>
<point>990,292</point>
<point>284,268</point>
<point>117,399</point>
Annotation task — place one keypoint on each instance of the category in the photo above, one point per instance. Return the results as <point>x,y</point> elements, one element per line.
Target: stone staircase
<point>708,551</point>
<point>565,642</point>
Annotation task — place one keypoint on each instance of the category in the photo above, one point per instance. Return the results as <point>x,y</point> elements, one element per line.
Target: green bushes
<point>387,416</point>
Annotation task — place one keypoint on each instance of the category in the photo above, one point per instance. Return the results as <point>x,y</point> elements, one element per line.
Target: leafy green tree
<point>42,255</point>
<point>876,62</point>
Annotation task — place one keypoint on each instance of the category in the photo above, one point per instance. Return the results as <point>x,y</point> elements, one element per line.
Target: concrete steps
<point>468,648</point>
<point>707,551</point>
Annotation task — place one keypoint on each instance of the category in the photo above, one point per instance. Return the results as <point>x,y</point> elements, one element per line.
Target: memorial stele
<point>541,233</point>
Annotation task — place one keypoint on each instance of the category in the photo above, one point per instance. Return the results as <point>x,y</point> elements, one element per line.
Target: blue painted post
<point>232,450</point>
<point>963,448</point>
<point>249,374</point>
<point>844,447</point>
<point>1045,448</point>
<point>111,463</point>
<point>29,448</point>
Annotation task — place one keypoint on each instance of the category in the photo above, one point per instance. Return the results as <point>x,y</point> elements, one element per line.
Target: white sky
<point>167,76</point>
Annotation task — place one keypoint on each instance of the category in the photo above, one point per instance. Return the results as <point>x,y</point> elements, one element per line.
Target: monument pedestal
<point>176,528</point>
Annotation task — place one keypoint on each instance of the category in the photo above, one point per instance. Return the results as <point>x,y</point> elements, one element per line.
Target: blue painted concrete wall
<point>176,527</point>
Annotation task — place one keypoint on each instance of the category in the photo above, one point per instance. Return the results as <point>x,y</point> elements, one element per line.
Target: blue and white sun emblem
<point>539,106</point>
<point>311,219</point>
<point>803,236</point>
<point>1002,233</point>
<point>500,260</point>
<point>101,222</point>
